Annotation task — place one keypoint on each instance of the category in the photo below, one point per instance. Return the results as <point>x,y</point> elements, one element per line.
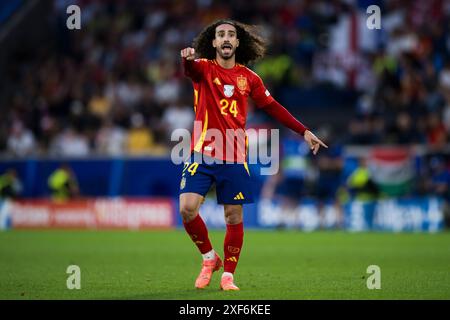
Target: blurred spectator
<point>446,118</point>
<point>438,183</point>
<point>444,80</point>
<point>329,166</point>
<point>21,141</point>
<point>10,185</point>
<point>178,116</point>
<point>360,185</point>
<point>70,143</point>
<point>436,133</point>
<point>110,139</point>
<point>63,184</point>
<point>363,130</point>
<point>129,91</point>
<point>99,104</point>
<point>140,139</point>
<point>167,90</point>
<point>403,131</point>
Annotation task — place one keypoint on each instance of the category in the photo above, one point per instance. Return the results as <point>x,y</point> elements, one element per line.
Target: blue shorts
<point>233,182</point>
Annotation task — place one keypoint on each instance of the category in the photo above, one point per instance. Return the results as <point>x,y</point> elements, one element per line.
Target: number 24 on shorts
<point>190,168</point>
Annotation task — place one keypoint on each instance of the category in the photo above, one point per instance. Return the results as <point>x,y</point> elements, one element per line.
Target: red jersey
<point>220,104</point>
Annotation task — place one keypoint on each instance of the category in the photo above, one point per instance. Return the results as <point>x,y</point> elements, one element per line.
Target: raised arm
<point>193,68</point>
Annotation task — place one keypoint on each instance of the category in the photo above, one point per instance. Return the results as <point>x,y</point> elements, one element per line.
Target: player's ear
<point>214,43</point>
<point>237,43</point>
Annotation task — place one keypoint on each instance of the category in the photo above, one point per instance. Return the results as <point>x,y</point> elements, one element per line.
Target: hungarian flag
<point>392,170</point>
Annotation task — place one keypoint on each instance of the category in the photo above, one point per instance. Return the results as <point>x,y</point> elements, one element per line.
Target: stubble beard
<point>233,52</point>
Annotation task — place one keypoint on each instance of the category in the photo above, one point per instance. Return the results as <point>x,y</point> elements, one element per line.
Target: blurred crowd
<point>116,86</point>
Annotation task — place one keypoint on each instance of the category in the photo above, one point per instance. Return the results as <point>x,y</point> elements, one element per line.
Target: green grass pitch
<point>273,265</point>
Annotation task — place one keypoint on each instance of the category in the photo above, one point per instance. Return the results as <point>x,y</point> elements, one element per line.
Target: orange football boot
<point>227,284</point>
<point>208,267</point>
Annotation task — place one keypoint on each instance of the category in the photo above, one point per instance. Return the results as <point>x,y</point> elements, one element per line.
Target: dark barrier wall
<point>158,178</point>
<point>109,176</point>
<point>102,177</point>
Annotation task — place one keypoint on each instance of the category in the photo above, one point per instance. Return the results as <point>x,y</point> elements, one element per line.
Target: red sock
<point>199,233</point>
<point>234,238</point>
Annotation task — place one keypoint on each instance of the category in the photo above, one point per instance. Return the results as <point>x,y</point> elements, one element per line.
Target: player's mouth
<point>227,48</point>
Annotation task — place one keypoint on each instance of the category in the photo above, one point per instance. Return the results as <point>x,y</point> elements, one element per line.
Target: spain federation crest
<point>228,90</point>
<point>242,83</point>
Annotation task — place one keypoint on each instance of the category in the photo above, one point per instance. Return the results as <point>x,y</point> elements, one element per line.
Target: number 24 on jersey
<point>228,108</point>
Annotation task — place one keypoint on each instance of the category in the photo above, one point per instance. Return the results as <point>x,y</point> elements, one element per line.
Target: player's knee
<point>233,215</point>
<point>188,212</point>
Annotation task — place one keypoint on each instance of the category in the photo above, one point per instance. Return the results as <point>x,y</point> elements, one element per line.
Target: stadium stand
<point>115,87</point>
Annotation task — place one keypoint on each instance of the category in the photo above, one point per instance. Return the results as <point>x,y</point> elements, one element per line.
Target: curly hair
<point>251,46</point>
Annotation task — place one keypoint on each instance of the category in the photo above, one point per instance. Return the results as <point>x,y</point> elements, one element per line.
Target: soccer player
<point>222,83</point>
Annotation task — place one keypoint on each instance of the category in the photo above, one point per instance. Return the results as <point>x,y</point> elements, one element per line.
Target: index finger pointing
<point>322,144</point>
